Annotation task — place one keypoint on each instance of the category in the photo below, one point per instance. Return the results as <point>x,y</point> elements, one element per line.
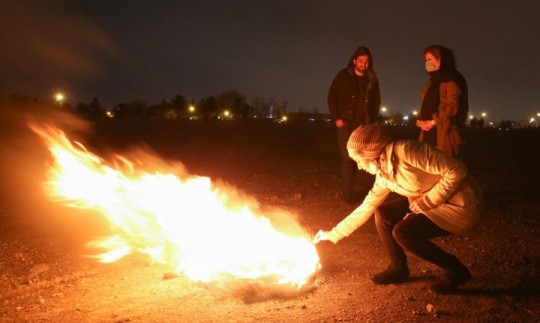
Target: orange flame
<point>183,221</point>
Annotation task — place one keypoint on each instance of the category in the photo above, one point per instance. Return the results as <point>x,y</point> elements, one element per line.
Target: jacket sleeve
<point>376,196</point>
<point>449,101</point>
<point>450,171</point>
<point>333,98</point>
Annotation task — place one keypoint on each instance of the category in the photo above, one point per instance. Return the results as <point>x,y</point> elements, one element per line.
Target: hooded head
<point>360,51</point>
<point>368,141</point>
<point>444,55</point>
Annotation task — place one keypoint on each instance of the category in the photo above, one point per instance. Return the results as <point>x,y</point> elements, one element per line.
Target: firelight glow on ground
<point>202,231</point>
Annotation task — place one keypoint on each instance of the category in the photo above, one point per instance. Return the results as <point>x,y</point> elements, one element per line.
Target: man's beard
<point>360,71</point>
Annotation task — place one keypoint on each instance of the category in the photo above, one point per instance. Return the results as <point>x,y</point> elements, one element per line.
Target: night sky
<point>285,50</point>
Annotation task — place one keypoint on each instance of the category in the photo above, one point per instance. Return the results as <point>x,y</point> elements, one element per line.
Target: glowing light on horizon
<point>59,97</point>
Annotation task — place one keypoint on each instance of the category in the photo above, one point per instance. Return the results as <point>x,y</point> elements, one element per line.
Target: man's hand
<point>320,236</point>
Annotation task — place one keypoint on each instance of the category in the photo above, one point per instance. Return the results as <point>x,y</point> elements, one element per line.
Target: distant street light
<point>191,108</point>
<point>59,97</point>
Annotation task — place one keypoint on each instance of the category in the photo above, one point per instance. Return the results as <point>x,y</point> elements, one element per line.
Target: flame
<point>180,220</point>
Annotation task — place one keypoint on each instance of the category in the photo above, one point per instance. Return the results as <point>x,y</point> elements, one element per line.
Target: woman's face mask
<point>369,165</point>
<point>432,63</point>
<point>430,67</point>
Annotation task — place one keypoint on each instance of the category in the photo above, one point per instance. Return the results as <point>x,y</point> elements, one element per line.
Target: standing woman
<point>445,102</point>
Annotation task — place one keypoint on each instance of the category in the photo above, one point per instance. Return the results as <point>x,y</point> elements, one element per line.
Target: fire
<point>202,231</point>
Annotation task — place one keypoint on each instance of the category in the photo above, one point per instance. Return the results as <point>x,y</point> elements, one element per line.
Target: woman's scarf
<point>430,104</point>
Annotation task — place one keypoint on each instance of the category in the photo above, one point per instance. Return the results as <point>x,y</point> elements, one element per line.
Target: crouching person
<point>437,197</point>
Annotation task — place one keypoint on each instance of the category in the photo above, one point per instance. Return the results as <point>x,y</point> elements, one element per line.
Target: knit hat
<point>369,140</point>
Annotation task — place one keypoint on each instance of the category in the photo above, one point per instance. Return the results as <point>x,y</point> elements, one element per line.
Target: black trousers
<point>349,169</point>
<point>412,234</point>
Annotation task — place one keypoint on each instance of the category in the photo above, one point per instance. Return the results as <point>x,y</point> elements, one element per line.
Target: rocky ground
<point>44,277</point>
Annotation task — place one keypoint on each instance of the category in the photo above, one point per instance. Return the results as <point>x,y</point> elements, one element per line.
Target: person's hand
<point>415,207</point>
<point>426,125</point>
<point>421,124</point>
<point>320,236</point>
<point>339,123</point>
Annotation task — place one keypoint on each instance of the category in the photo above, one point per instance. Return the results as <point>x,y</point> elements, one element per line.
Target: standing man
<point>354,99</point>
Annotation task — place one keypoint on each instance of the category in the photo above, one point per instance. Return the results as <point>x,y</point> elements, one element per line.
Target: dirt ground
<point>45,277</point>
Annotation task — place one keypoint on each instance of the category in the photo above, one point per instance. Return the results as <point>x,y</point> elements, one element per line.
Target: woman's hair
<point>444,54</point>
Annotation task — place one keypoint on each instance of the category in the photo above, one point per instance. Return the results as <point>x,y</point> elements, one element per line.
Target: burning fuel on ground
<point>202,230</point>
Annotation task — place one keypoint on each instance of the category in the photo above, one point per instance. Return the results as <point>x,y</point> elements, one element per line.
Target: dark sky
<point>283,50</point>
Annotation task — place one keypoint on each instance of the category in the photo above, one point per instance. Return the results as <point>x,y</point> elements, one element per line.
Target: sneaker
<point>392,275</point>
<point>450,280</point>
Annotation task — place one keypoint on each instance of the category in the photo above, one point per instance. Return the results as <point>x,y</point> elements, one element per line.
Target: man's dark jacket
<point>344,101</point>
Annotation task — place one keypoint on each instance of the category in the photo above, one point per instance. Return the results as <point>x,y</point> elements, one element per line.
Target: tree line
<point>228,105</point>
<point>231,104</point>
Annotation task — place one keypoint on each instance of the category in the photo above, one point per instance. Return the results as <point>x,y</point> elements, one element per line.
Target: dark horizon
<point>272,50</point>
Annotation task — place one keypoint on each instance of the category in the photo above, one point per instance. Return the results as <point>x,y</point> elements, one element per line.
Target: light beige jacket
<point>447,195</point>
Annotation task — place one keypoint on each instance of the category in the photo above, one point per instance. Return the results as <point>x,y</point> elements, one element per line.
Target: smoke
<point>48,45</point>
<point>23,164</point>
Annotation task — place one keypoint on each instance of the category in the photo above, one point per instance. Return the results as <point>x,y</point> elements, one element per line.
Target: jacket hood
<point>386,160</point>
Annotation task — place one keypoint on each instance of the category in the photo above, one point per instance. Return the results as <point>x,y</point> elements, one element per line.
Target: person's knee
<point>379,217</point>
<point>403,234</point>
<point>385,217</point>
